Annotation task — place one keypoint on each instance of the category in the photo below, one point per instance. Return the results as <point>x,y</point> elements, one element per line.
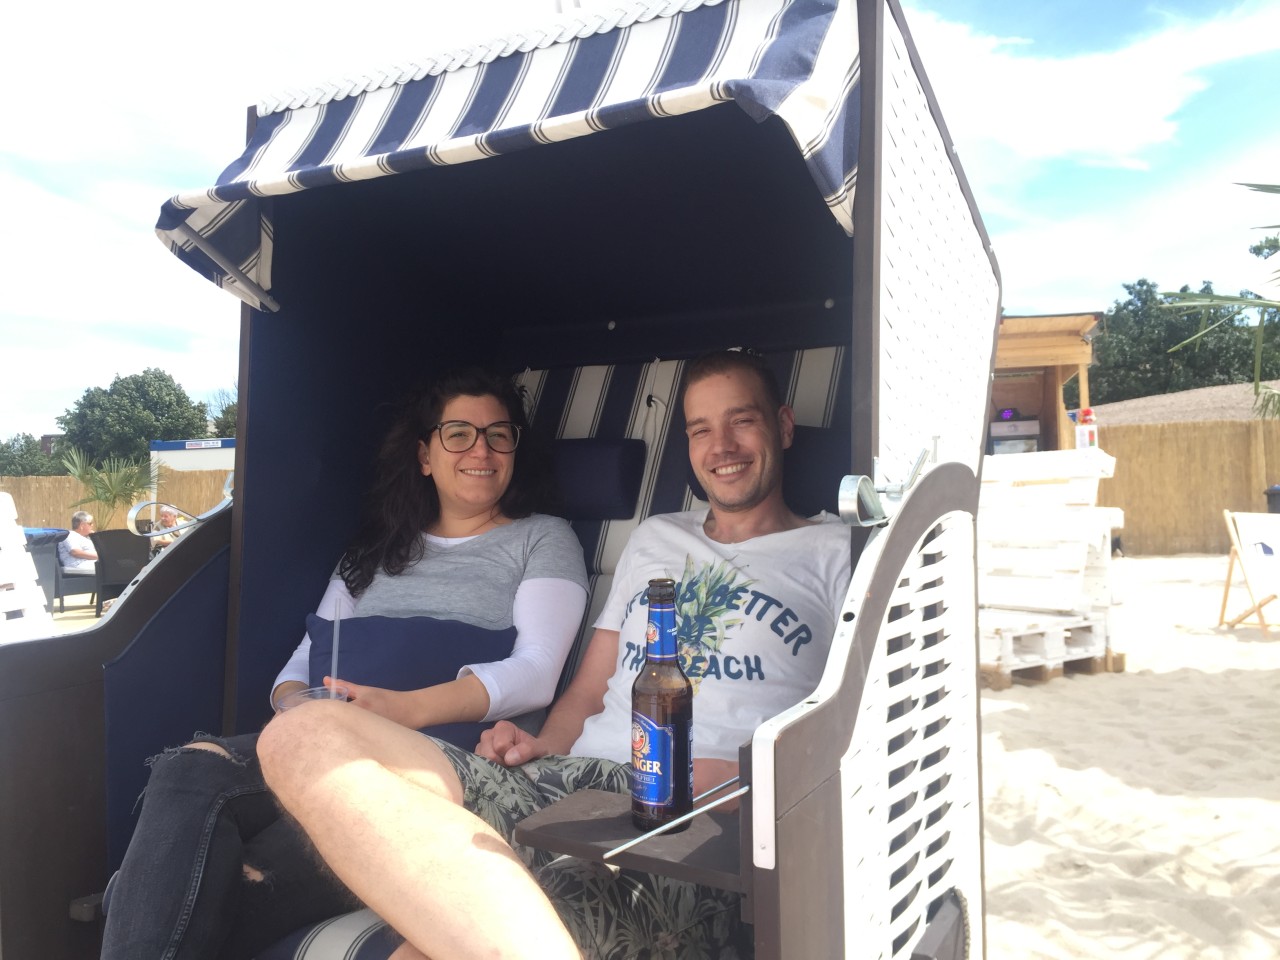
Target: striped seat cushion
<point>352,936</point>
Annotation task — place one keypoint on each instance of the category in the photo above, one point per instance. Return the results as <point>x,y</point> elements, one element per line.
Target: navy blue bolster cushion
<point>407,653</point>
<point>598,478</point>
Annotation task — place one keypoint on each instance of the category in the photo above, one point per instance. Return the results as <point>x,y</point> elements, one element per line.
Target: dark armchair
<point>121,557</point>
<point>71,584</point>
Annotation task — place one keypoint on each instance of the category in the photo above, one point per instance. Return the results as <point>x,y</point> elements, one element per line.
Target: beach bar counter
<point>589,205</point>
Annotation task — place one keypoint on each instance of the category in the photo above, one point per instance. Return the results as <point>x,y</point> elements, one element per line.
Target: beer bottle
<point>661,720</point>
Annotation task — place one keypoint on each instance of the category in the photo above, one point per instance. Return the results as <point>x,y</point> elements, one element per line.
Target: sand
<point>1137,815</point>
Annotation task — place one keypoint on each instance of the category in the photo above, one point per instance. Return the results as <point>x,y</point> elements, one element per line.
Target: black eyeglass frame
<point>514,427</point>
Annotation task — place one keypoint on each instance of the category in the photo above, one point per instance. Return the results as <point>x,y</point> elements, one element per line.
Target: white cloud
<point>89,295</point>
<point>1200,230</point>
<point>119,109</point>
<point>1020,120</point>
<point>1110,108</point>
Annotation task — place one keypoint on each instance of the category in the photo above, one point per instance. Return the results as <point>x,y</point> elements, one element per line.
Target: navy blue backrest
<point>597,478</point>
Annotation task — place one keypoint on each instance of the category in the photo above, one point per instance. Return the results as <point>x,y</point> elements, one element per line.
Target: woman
<point>449,532</point>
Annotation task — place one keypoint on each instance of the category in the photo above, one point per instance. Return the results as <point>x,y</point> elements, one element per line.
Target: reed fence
<point>47,501</point>
<point>1173,480</point>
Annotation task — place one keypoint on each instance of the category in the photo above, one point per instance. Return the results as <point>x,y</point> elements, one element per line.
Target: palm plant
<point>1266,399</point>
<point>116,482</point>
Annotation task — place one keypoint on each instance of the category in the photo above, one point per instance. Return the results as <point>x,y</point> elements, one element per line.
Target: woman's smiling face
<point>472,482</point>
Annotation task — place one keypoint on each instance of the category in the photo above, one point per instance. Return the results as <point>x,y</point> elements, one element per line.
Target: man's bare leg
<point>382,805</point>
<point>407,951</point>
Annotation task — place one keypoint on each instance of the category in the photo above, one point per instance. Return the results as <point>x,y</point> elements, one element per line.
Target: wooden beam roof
<point>1045,341</point>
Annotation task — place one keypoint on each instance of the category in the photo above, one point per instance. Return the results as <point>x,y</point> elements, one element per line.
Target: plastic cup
<point>306,695</point>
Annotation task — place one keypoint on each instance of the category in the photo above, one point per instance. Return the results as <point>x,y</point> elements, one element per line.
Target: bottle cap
<point>661,589</point>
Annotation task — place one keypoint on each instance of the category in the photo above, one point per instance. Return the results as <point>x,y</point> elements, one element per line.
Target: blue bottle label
<point>651,756</point>
<point>660,635</point>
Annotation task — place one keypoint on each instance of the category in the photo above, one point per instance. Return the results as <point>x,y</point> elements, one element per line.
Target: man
<point>76,553</point>
<point>419,830</point>
<point>168,520</point>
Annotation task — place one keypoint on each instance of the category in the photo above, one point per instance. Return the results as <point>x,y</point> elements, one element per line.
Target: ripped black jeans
<point>215,871</point>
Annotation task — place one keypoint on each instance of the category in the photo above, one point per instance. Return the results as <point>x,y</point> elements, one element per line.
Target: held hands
<point>507,744</point>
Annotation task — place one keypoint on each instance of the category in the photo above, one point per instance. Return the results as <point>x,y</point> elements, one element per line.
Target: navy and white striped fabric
<point>795,59</point>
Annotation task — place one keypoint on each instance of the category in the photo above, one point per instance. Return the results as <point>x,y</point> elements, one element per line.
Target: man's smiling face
<point>736,439</point>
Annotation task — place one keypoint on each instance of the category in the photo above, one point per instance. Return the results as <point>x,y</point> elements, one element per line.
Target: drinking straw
<point>333,666</point>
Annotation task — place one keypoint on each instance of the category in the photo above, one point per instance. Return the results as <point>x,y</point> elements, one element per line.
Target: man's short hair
<point>732,361</point>
<point>79,517</point>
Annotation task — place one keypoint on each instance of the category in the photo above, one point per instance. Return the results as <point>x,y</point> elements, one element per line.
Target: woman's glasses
<point>458,436</point>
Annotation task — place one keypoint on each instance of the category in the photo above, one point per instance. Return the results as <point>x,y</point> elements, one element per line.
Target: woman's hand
<point>507,744</point>
<point>289,686</point>
<point>400,707</point>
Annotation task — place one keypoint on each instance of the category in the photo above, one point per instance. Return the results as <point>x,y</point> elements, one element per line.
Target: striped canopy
<point>794,59</point>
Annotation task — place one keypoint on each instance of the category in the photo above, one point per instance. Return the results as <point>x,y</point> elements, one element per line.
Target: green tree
<point>1266,248</point>
<point>21,456</point>
<point>222,411</point>
<point>224,423</point>
<point>1144,350</point>
<point>121,421</point>
<point>117,482</point>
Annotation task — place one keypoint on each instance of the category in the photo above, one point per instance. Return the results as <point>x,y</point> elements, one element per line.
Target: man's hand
<point>507,744</point>
<point>708,773</point>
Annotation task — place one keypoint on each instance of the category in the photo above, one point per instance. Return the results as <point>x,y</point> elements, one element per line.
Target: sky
<point>1102,138</point>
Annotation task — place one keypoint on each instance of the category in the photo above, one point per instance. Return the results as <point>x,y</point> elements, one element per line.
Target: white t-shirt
<point>76,541</point>
<point>755,622</point>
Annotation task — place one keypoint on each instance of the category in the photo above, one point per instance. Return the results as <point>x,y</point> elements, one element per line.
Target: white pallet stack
<point>22,604</point>
<point>1044,564</point>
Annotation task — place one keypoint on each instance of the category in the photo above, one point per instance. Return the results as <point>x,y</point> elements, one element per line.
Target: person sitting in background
<point>169,519</point>
<point>77,553</point>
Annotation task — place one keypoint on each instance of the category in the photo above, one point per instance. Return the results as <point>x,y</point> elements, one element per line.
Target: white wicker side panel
<point>938,291</point>
<point>913,830</point>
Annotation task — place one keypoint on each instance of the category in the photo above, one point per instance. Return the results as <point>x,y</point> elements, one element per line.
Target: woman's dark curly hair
<point>402,503</point>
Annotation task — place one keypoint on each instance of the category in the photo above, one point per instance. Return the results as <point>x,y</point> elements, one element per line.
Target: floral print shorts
<point>631,915</point>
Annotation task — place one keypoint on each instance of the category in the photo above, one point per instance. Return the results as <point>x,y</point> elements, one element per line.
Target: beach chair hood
<point>586,73</point>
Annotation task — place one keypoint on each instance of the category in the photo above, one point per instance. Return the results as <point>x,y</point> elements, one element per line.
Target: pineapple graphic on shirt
<point>705,612</point>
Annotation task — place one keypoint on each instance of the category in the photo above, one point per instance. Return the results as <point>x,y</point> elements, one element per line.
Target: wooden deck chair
<point>1255,545</point>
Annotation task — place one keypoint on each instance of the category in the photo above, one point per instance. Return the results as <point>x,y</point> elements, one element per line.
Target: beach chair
<point>653,170</point>
<point>1255,545</point>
